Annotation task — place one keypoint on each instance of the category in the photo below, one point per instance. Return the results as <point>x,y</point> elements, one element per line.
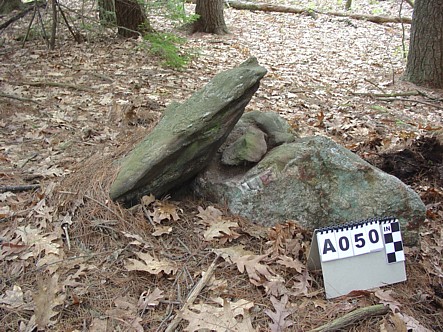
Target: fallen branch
<point>353,316</point>
<point>58,85</point>
<point>193,295</point>
<point>243,5</point>
<point>4,95</point>
<point>410,101</point>
<point>392,94</point>
<point>19,188</point>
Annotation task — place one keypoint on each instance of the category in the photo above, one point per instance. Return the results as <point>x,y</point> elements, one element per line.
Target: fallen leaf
<point>279,317</point>
<point>148,299</point>
<point>150,264</point>
<point>291,263</point>
<point>301,284</point>
<point>161,230</point>
<point>255,270</point>
<point>387,299</point>
<point>47,297</point>
<point>231,253</point>
<point>38,242</point>
<point>219,319</point>
<point>164,210</point>
<point>126,311</point>
<point>14,299</point>
<point>219,229</point>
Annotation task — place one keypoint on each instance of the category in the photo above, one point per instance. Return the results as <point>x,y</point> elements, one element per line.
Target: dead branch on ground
<point>27,187</point>
<point>353,316</point>
<point>193,295</point>
<point>4,95</point>
<point>57,85</point>
<point>243,5</point>
<point>392,94</point>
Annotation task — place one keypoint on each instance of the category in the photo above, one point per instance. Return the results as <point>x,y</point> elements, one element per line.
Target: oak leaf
<point>39,243</point>
<point>219,319</point>
<point>279,317</point>
<point>14,299</point>
<point>164,210</point>
<point>126,311</point>
<point>47,297</point>
<point>252,265</point>
<point>150,264</point>
<point>149,299</point>
<point>291,263</point>
<point>231,253</point>
<point>387,299</point>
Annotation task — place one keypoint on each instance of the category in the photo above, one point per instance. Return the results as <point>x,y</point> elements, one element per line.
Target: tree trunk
<point>106,11</point>
<point>131,18</point>
<point>211,19</point>
<point>425,57</point>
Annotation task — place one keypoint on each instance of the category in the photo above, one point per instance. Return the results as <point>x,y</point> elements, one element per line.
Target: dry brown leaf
<point>138,240</point>
<point>279,317</point>
<point>148,200</point>
<point>161,230</point>
<point>231,253</point>
<point>219,319</point>
<point>409,323</point>
<point>150,264</point>
<point>220,228</point>
<point>164,210</point>
<point>387,299</point>
<point>46,299</point>
<point>255,270</point>
<point>209,214</point>
<point>14,299</point>
<point>39,243</point>
<point>291,263</point>
<point>301,285</point>
<point>126,311</point>
<point>149,299</point>
<point>275,286</point>
<point>98,325</point>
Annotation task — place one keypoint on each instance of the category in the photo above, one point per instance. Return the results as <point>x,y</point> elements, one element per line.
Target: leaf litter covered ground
<point>73,260</point>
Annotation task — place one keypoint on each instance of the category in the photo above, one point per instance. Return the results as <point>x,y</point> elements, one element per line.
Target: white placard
<point>357,256</point>
<point>360,240</point>
<point>327,245</point>
<point>344,242</point>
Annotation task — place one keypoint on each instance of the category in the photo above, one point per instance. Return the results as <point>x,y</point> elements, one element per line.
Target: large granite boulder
<point>316,182</point>
<point>187,137</point>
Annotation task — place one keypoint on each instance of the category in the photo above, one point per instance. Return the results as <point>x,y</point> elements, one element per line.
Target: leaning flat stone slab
<point>187,137</point>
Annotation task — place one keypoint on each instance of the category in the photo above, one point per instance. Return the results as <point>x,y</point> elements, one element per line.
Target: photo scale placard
<point>358,255</point>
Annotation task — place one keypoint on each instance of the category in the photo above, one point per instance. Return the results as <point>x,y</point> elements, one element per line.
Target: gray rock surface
<point>187,137</point>
<point>249,147</point>
<point>316,182</point>
<point>255,134</point>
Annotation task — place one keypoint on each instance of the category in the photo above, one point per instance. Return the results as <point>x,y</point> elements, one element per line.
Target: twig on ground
<point>374,84</point>
<point>4,95</point>
<point>410,101</point>
<point>58,85</point>
<point>193,295</point>
<point>25,187</point>
<point>392,94</point>
<point>353,316</point>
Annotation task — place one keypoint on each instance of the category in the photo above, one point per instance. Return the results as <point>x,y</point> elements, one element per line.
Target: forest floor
<point>69,254</point>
